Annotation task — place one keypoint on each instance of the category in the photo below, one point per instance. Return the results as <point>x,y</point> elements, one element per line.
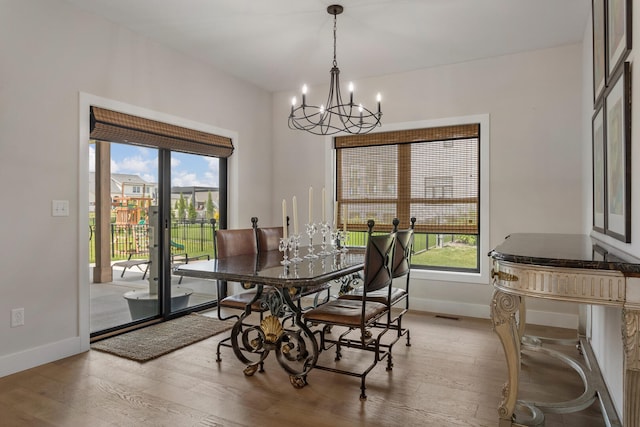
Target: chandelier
<point>334,116</point>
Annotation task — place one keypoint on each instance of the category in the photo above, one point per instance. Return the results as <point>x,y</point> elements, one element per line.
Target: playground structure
<point>131,218</point>
<point>131,210</point>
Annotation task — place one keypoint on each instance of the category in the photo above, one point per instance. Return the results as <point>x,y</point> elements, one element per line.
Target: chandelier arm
<point>335,116</point>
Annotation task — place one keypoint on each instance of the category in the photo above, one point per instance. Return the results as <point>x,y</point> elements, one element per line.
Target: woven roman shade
<point>112,126</point>
<point>431,174</point>
<point>441,133</point>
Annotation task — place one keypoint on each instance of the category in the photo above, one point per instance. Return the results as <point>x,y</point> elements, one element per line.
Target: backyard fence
<point>133,240</point>
<point>197,239</point>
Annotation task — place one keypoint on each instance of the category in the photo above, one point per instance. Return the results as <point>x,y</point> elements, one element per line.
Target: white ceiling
<point>281,44</point>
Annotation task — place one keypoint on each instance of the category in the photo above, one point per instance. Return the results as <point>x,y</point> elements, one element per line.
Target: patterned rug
<point>154,341</point>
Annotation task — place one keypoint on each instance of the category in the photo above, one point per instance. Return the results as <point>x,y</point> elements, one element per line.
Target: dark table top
<point>266,269</point>
<point>564,250</point>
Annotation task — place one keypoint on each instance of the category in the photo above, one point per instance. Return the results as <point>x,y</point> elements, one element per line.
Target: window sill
<point>450,276</point>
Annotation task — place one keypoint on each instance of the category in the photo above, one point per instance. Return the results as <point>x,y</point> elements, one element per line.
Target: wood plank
<point>452,375</point>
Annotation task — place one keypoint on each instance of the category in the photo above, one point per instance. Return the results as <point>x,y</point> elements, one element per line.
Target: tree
<point>182,208</point>
<point>209,206</point>
<point>192,211</point>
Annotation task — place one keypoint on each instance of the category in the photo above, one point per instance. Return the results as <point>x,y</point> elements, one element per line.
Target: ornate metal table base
<point>296,350</point>
<point>282,330</point>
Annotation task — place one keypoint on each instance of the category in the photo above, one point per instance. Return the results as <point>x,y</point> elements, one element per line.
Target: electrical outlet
<point>17,317</point>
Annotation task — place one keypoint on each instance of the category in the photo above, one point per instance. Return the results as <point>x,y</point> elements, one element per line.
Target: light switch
<point>59,208</point>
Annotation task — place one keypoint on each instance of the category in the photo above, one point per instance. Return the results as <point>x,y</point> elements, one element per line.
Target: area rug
<point>154,341</point>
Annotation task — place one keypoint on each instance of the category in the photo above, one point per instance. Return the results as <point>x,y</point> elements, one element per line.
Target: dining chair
<point>401,268</point>
<point>229,243</point>
<point>232,243</point>
<point>268,238</point>
<point>359,315</point>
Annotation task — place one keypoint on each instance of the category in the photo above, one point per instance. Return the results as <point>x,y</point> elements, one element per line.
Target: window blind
<point>431,174</point>
<point>113,126</point>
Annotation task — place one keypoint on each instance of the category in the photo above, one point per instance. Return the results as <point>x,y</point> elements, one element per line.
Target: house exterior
<point>124,187</point>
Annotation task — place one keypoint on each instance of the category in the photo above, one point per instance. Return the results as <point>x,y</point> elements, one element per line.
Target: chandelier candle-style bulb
<point>350,93</point>
<point>334,116</point>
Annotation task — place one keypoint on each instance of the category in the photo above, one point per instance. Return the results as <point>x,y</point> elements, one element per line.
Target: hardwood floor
<point>452,375</point>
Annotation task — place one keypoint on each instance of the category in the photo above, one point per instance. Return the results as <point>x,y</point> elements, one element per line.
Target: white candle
<point>284,218</point>
<point>310,205</point>
<point>335,214</point>
<point>324,202</point>
<point>295,215</point>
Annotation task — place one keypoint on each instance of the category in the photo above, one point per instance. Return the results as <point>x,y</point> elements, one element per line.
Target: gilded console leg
<point>503,315</point>
<point>522,318</point>
<point>631,342</point>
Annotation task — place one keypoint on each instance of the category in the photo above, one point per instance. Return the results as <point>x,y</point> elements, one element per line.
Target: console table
<point>573,268</point>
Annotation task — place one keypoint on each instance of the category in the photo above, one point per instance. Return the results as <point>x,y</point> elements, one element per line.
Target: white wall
<point>534,102</point>
<point>50,53</point>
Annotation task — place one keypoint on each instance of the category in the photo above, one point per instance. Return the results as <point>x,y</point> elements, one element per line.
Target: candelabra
<point>312,229</point>
<point>325,229</point>
<point>295,246</point>
<point>285,243</point>
<point>343,236</point>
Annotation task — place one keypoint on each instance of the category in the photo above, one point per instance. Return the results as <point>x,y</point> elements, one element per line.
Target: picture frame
<point>617,114</point>
<point>598,159</point>
<point>618,30</point>
<point>599,49</point>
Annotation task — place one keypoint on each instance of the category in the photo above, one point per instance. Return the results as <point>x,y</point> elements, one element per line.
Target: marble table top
<point>564,250</point>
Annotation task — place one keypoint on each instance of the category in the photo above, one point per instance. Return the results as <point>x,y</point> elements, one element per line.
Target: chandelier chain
<point>335,26</point>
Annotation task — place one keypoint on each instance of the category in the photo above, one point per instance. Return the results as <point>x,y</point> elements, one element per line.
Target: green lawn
<point>456,256</point>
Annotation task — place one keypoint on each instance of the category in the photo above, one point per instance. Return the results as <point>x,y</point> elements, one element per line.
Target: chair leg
<point>363,396</point>
<point>218,358</point>
<point>338,353</point>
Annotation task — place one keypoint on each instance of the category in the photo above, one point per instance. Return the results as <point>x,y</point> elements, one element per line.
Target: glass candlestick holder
<point>312,229</point>
<point>343,237</point>
<point>324,231</point>
<point>335,243</point>
<point>284,248</point>
<point>295,246</point>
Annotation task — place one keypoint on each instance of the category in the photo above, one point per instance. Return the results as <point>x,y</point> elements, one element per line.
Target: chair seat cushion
<point>345,312</point>
<point>377,296</point>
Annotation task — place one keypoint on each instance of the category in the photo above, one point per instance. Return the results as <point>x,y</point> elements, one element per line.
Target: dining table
<point>278,288</point>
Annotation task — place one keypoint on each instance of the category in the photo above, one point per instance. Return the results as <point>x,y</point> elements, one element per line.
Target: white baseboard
<point>481,311</point>
<point>16,362</point>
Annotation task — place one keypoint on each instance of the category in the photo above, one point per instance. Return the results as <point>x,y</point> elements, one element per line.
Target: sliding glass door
<point>123,193</point>
<point>150,211</point>
<point>194,212</point>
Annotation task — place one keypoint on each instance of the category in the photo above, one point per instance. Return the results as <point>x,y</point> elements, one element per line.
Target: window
<point>431,174</point>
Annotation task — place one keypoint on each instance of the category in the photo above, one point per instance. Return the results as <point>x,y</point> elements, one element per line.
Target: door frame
<point>87,100</point>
